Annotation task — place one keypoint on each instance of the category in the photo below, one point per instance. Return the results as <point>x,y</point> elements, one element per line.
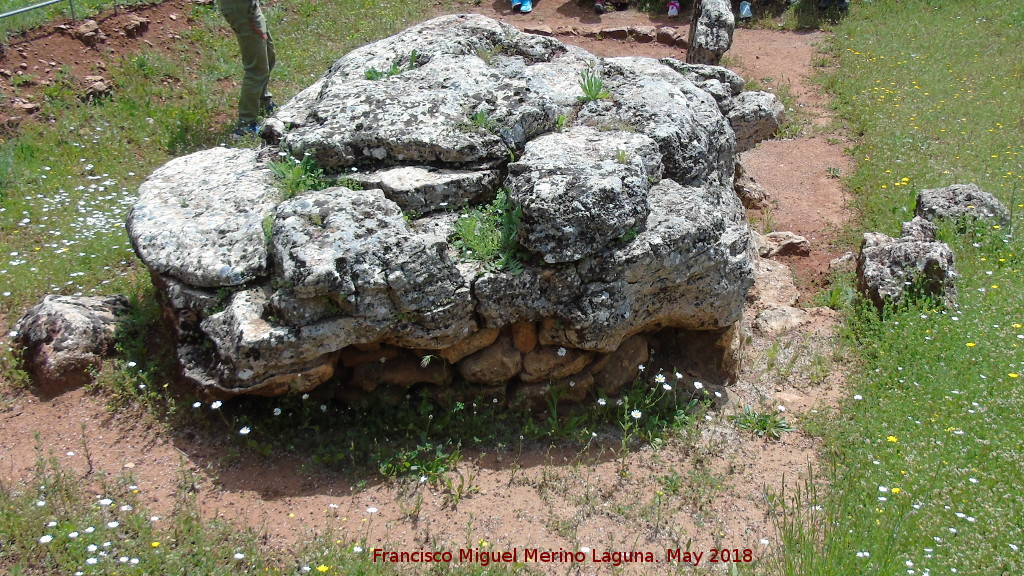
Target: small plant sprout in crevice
<point>593,86</point>
<point>488,233</point>
<point>482,119</point>
<point>297,176</point>
<point>397,67</point>
<point>767,220</point>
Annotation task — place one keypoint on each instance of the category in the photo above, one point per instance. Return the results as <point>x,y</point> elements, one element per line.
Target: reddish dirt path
<point>528,499</point>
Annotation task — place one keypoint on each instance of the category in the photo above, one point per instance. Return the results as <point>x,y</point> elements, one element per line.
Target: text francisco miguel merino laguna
<point>486,557</point>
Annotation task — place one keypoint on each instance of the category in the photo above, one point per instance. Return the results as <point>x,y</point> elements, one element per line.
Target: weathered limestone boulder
<point>423,189</point>
<point>755,116</point>
<point>961,202</point>
<point>919,229</point>
<point>647,282</point>
<point>710,31</point>
<point>628,224</point>
<point>774,285</point>
<point>779,320</point>
<point>887,268</point>
<point>580,189</point>
<point>783,243</point>
<point>723,84</point>
<point>63,338</point>
<point>695,139</point>
<point>200,218</point>
<point>445,102</point>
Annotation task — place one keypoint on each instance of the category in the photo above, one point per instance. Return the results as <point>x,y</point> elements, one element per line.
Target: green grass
<point>922,465</point>
<point>768,424</point>
<point>488,234</point>
<point>297,176</point>
<point>592,86</point>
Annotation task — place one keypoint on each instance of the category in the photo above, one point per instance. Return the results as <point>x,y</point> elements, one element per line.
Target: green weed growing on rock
<point>487,234</point>
<point>397,67</point>
<point>297,176</point>
<point>593,86</point>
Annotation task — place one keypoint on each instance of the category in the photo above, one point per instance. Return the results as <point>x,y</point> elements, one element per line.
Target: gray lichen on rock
<point>628,222</point>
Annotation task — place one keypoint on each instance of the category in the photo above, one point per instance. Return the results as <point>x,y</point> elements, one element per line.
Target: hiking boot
<point>599,7</point>
<point>526,7</point>
<point>267,107</point>
<point>244,130</point>
<point>673,9</point>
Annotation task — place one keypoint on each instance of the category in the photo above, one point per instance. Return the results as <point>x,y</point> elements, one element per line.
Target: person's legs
<point>258,56</point>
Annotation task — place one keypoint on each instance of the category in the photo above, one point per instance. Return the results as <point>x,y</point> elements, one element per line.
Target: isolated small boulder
<point>64,337</point>
<point>961,202</point>
<point>781,244</point>
<point>887,268</point>
<point>779,320</point>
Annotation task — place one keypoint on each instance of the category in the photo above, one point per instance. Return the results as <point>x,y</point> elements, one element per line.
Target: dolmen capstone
<point>629,237</point>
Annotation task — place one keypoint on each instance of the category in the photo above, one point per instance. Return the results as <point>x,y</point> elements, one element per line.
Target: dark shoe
<point>267,108</point>
<point>599,7</point>
<point>245,130</point>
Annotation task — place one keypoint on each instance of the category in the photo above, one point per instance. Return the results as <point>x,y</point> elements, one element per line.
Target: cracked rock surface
<point>628,222</point>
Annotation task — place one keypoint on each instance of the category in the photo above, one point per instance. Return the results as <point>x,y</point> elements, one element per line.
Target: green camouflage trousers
<point>257,47</point>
